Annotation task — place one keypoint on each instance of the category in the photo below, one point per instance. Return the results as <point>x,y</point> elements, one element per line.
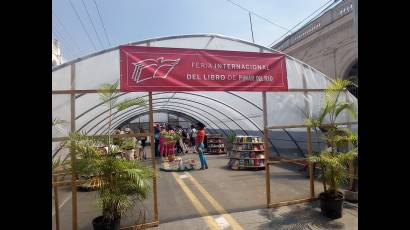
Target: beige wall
<point>332,50</point>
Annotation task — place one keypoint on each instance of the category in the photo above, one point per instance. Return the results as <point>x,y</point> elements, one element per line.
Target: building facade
<point>327,43</point>
<point>56,57</point>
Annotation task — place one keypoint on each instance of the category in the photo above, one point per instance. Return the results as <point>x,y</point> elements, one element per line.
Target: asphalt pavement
<point>214,198</point>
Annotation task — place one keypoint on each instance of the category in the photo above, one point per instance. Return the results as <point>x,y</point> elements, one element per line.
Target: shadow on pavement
<point>297,217</point>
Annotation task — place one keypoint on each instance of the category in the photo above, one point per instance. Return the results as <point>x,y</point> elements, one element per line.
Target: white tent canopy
<point>217,110</point>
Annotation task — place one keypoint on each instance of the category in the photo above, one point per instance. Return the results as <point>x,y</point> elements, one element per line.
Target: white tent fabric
<point>218,110</point>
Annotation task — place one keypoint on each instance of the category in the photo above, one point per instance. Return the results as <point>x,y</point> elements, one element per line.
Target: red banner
<point>175,69</point>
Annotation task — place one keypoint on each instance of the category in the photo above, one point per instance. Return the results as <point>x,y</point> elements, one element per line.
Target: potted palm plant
<point>122,182</point>
<point>334,160</point>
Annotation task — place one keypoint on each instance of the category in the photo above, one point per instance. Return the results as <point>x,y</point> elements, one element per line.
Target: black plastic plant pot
<point>100,224</point>
<point>331,207</point>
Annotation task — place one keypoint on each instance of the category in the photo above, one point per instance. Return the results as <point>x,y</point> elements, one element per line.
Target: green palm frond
<point>335,164</point>
<point>59,162</point>
<point>120,181</point>
<point>354,139</point>
<point>108,88</point>
<point>57,121</point>
<point>333,90</point>
<point>332,107</point>
<point>349,134</point>
<point>338,84</point>
<point>349,107</point>
<point>332,94</point>
<point>131,102</point>
<point>107,93</point>
<point>324,112</point>
<point>332,162</point>
<point>348,156</point>
<point>114,204</point>
<point>310,122</point>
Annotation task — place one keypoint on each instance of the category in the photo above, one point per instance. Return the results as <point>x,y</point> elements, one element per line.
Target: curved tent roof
<point>226,111</point>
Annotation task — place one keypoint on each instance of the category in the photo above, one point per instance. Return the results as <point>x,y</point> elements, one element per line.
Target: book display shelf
<point>216,144</point>
<point>247,153</point>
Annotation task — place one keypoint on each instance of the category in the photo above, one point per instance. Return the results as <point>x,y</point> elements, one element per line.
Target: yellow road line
<point>197,204</point>
<point>215,204</point>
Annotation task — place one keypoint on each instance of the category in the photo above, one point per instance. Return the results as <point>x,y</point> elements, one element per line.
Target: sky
<point>134,20</point>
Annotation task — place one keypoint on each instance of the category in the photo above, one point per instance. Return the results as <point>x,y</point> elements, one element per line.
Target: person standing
<point>189,135</point>
<point>171,141</point>
<point>162,143</point>
<point>199,145</point>
<point>193,132</point>
<point>130,153</point>
<point>143,140</point>
<point>157,130</point>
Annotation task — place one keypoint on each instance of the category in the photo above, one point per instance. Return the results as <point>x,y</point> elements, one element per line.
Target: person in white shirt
<point>192,134</point>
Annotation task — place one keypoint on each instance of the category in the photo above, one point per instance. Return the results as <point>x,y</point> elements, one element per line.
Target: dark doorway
<point>352,75</point>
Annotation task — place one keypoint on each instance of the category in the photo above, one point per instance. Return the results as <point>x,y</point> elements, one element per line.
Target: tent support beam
<point>73,175</point>
<point>154,179</point>
<point>154,100</point>
<point>142,110</point>
<point>193,115</point>
<point>176,107</point>
<point>82,91</point>
<point>266,147</point>
<point>128,120</point>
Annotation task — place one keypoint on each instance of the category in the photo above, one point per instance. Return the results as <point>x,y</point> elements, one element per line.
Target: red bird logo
<point>153,68</point>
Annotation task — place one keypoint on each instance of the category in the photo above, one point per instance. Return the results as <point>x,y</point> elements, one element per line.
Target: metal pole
<point>266,147</point>
<point>250,20</point>
<point>154,180</point>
